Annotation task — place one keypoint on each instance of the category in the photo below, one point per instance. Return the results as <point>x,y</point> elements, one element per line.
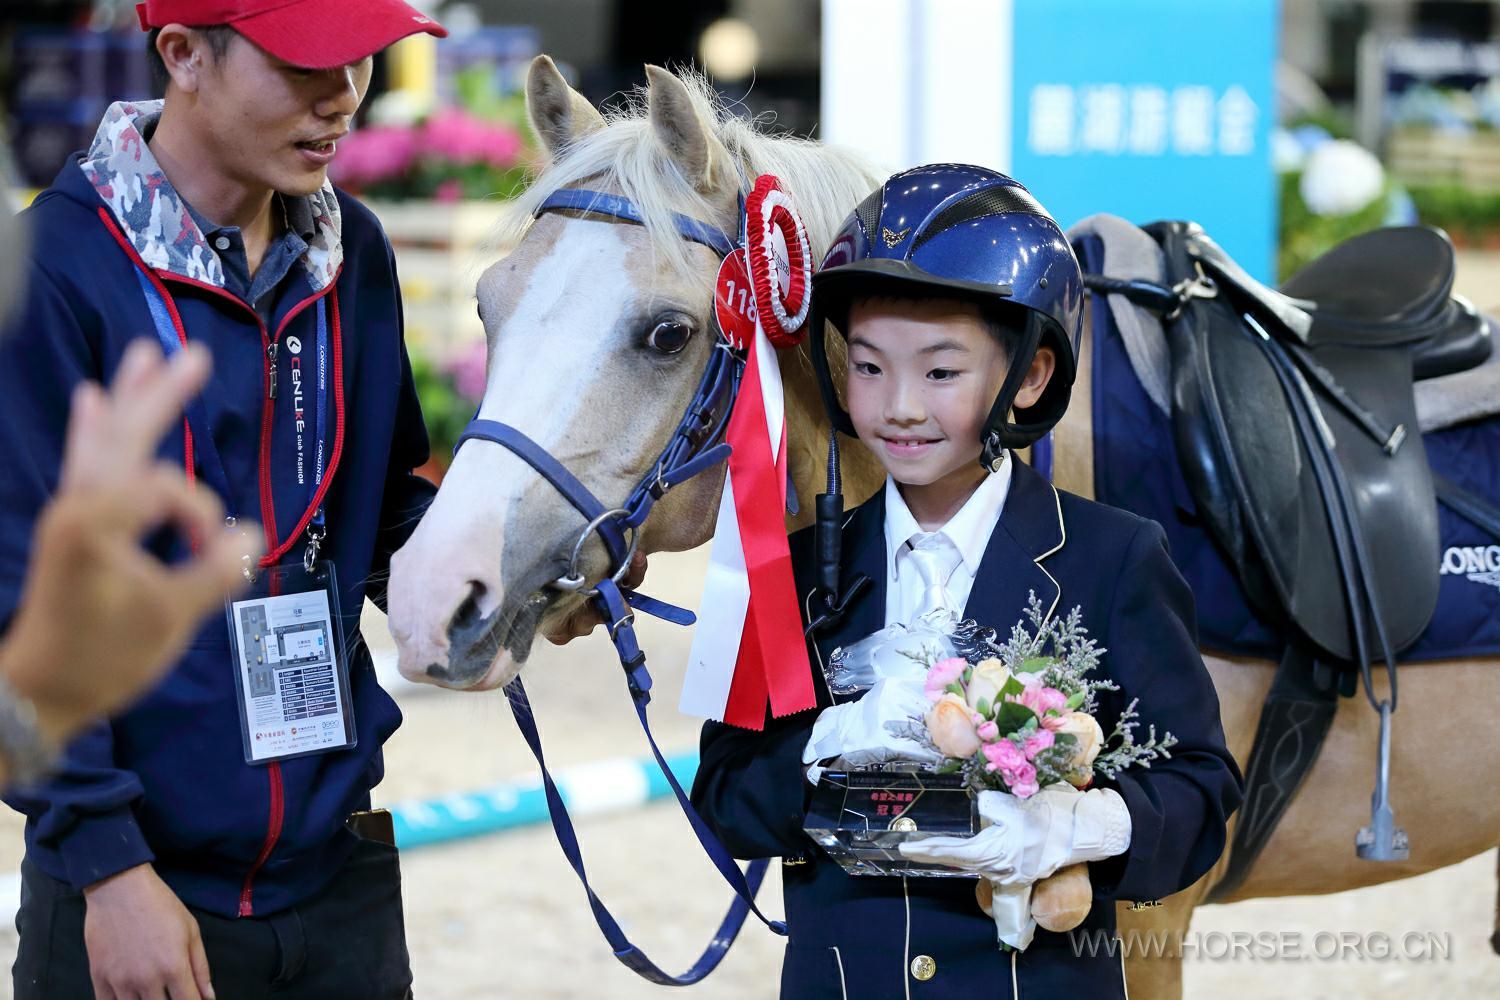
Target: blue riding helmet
<point>951,230</point>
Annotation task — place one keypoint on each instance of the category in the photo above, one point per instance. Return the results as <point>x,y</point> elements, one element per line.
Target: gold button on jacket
<point>923,968</point>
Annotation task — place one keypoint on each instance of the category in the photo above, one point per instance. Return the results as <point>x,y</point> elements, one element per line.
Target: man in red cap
<point>213,838</point>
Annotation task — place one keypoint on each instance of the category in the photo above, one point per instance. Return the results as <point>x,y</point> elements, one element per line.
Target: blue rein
<point>696,445</point>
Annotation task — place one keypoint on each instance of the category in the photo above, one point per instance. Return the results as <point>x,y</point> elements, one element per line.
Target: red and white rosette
<point>780,262</point>
<point>748,652</point>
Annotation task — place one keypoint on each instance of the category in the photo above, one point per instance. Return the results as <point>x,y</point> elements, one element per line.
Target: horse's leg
<point>1151,936</point>
<point>1445,714</point>
<point>1151,941</point>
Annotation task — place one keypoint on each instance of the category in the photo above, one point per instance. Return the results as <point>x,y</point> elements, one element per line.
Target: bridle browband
<point>603,205</point>
<point>696,445</point>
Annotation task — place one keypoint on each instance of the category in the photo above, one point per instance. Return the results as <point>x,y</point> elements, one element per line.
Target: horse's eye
<point>668,337</point>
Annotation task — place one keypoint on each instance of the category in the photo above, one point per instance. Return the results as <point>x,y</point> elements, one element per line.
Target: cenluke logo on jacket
<point>299,411</point>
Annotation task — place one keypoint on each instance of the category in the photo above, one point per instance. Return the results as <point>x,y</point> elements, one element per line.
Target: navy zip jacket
<point>166,781</point>
<point>862,936</point>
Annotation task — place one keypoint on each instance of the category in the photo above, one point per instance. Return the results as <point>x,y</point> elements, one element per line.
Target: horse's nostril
<point>468,613</point>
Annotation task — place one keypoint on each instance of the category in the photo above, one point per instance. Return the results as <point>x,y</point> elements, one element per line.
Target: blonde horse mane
<point>825,182</point>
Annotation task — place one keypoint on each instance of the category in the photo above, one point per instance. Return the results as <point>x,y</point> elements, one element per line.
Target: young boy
<point>960,300</point>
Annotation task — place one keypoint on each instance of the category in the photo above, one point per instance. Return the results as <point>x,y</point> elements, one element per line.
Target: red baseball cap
<point>314,34</point>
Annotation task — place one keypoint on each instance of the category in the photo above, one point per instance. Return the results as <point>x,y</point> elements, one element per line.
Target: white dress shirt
<point>969,530</point>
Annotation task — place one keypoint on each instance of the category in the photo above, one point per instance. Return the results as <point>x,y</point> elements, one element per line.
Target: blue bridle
<point>696,445</point>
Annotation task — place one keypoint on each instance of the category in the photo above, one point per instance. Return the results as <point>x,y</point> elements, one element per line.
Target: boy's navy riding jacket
<point>858,936</point>
<point>166,781</point>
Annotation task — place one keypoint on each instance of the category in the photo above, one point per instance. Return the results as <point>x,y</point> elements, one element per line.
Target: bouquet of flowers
<point>1023,716</point>
<point>1011,716</point>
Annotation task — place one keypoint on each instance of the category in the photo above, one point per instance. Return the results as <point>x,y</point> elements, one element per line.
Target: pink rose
<point>1041,700</point>
<point>1024,785</point>
<point>942,673</point>
<point>951,728</point>
<point>1037,742</point>
<point>989,732</point>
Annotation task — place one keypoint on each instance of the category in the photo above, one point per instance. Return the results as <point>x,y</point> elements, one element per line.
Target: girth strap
<point>1294,721</point>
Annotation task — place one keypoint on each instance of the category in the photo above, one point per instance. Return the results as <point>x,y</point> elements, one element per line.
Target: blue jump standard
<point>597,787</point>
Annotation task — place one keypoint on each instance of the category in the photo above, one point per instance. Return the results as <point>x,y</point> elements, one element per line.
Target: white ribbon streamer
<point>726,586</point>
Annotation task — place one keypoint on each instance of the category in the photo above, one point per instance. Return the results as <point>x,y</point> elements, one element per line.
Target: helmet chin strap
<point>999,433</point>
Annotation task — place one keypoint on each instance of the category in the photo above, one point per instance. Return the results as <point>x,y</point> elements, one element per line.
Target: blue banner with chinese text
<point>1151,109</point>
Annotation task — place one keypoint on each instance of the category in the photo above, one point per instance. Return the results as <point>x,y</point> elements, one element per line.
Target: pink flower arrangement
<point>374,154</point>
<point>459,136</point>
<point>1019,719</point>
<point>1004,724</point>
<point>451,155</point>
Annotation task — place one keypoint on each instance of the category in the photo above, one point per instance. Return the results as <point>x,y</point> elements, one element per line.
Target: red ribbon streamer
<point>772,665</point>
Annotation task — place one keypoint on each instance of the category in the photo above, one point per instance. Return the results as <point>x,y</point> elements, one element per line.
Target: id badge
<point>288,646</point>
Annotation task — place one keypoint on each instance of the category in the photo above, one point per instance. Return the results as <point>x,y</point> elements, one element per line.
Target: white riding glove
<point>855,731</point>
<point>1029,839</point>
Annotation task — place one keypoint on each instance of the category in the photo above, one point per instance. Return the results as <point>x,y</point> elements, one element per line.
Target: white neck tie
<point>935,557</point>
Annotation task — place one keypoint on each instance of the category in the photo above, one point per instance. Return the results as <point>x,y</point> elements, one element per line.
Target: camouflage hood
<point>154,217</point>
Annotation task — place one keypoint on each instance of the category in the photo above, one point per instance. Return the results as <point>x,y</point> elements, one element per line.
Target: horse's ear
<point>679,127</point>
<point>559,114</point>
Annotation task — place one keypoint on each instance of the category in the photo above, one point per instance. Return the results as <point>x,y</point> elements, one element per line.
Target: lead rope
<point>611,602</point>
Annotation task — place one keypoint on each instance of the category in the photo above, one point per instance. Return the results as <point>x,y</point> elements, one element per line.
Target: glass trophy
<point>860,817</point>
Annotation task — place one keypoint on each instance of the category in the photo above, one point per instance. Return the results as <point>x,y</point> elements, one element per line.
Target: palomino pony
<point>597,334</point>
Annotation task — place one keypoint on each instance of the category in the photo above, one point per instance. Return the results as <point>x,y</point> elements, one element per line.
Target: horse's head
<point>599,331</point>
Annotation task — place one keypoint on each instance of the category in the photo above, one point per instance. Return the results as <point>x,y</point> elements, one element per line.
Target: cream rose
<point>986,681</point>
<point>950,723</point>
<point>1085,729</point>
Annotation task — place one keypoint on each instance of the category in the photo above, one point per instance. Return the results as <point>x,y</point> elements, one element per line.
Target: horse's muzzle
<point>477,645</point>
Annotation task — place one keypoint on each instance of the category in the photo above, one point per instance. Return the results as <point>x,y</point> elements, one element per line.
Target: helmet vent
<point>997,200</point>
<point>869,212</point>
